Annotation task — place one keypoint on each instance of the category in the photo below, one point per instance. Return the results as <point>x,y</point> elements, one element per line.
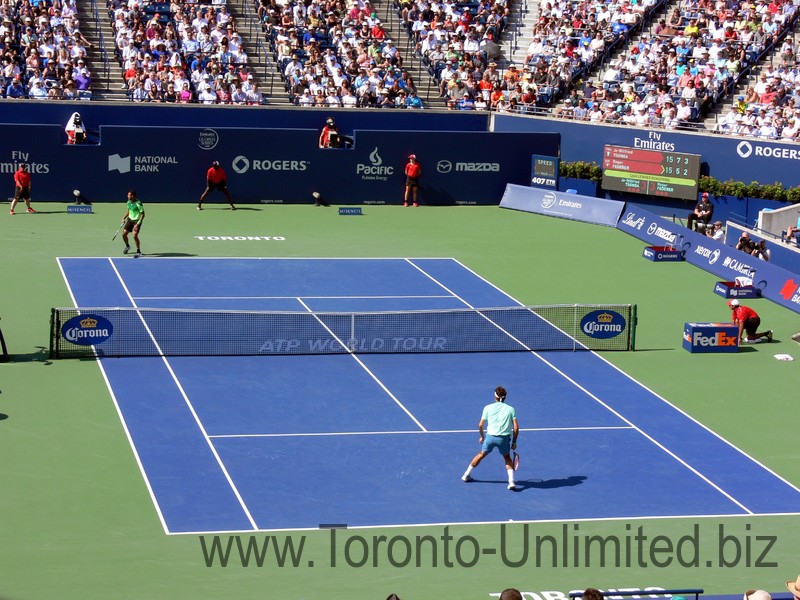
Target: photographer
<point>744,242</point>
<point>716,232</point>
<point>761,251</point>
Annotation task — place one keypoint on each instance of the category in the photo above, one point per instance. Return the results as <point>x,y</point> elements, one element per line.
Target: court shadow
<point>228,208</point>
<point>654,349</point>
<point>41,355</point>
<point>549,484</point>
<point>539,484</point>
<point>3,416</point>
<point>168,254</point>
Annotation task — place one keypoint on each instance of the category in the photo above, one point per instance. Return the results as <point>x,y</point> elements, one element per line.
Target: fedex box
<point>711,337</point>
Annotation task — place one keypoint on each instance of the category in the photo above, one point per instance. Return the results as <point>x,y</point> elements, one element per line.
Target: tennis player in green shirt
<point>502,430</point>
<point>132,222</point>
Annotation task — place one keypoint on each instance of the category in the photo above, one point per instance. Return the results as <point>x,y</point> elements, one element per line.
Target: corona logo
<point>603,324</point>
<point>87,330</point>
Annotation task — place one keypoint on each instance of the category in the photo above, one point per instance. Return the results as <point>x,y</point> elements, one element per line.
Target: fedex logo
<point>721,339</point>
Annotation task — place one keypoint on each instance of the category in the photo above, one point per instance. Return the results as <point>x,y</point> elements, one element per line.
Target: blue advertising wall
<point>96,115</point>
<point>777,284</point>
<point>272,165</point>
<point>561,204</point>
<point>722,157</point>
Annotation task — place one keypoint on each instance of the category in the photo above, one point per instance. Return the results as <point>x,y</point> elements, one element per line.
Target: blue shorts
<point>501,442</point>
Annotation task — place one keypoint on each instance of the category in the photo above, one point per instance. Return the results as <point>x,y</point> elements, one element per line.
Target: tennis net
<point>86,332</point>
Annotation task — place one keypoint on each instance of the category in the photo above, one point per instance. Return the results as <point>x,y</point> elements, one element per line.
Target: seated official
<point>330,137</point>
<point>702,213</point>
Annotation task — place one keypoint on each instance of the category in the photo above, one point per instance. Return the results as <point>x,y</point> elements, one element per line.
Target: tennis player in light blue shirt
<point>502,430</point>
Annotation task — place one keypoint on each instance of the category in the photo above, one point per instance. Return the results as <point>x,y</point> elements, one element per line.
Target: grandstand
<point>671,64</point>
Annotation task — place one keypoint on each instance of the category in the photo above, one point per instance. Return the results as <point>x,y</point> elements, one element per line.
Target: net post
<point>53,353</point>
<point>575,327</point>
<point>4,351</point>
<point>634,321</point>
<point>352,332</point>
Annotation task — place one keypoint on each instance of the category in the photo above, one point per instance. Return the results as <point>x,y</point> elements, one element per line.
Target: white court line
<point>120,415</point>
<point>414,432</point>
<point>366,368</point>
<point>598,400</point>
<point>283,297</point>
<point>528,521</point>
<point>188,404</point>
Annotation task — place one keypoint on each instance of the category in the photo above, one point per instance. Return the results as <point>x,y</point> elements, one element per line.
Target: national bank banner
<point>776,283</point>
<point>560,204</point>
<point>273,166</point>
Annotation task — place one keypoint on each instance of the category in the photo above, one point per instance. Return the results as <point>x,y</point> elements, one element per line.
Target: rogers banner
<point>272,166</point>
<point>777,284</point>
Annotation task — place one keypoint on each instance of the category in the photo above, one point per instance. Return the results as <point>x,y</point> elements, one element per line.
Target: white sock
<point>468,471</point>
<point>510,476</point>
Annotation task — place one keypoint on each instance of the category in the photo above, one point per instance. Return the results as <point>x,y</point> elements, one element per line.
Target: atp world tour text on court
<point>517,545</point>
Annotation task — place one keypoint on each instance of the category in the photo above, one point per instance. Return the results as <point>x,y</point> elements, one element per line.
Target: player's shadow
<point>539,484</point>
<point>3,416</point>
<point>549,484</point>
<point>170,254</point>
<point>239,208</point>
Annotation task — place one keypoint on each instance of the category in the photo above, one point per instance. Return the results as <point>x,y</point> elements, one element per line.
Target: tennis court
<point>293,442</point>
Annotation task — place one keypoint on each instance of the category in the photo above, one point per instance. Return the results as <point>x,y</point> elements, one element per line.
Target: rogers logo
<point>744,149</point>
<point>241,164</point>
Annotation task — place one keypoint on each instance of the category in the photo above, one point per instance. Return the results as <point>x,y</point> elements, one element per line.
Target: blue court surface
<point>292,442</point>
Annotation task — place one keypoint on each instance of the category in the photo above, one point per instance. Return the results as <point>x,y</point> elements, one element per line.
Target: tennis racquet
<point>515,459</point>
<point>118,230</point>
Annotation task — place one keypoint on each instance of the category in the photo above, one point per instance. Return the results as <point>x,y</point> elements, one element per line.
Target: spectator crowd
<point>44,53</point>
<point>665,72</point>
<point>336,55</point>
<point>181,53</point>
